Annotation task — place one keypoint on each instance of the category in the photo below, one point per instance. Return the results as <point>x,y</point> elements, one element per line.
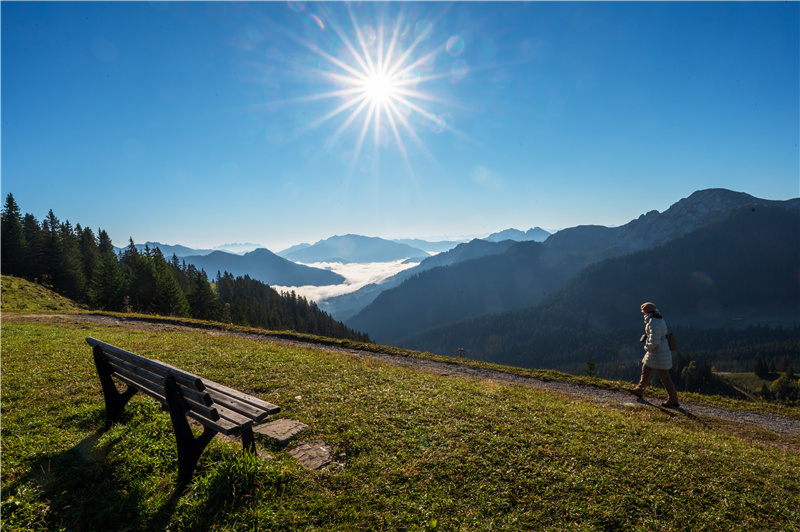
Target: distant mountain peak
<point>536,234</point>
<point>353,248</point>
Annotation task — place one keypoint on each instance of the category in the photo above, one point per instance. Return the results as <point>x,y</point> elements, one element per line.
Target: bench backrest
<point>225,409</point>
<point>149,375</point>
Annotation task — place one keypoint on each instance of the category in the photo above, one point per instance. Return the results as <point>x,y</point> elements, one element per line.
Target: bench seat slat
<point>150,380</point>
<point>223,426</point>
<point>243,397</point>
<point>232,416</point>
<point>248,411</point>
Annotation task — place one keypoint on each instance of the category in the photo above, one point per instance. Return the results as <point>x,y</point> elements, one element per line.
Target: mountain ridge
<point>737,268</point>
<point>592,243</point>
<point>353,248</point>
<point>265,266</point>
<point>536,234</point>
<point>347,305</point>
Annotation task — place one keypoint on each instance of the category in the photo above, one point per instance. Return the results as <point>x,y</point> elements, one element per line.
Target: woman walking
<point>657,355</point>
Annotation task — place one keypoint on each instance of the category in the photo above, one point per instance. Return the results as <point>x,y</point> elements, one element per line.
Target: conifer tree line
<point>83,266</point>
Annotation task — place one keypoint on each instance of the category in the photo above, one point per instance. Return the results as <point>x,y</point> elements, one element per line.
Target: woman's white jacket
<point>658,355</point>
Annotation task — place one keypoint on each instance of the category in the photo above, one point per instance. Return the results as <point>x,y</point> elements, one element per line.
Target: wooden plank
<point>155,366</point>
<point>155,382</point>
<point>147,391</point>
<point>224,409</point>
<point>212,414</point>
<point>220,399</point>
<point>232,416</point>
<point>140,375</point>
<point>243,397</point>
<point>222,426</point>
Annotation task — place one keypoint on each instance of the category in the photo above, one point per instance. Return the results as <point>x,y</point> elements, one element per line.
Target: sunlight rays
<point>376,75</point>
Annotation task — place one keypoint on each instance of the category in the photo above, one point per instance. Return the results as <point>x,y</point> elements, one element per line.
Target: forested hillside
<point>519,277</point>
<point>743,266</point>
<point>345,306</point>
<point>82,266</point>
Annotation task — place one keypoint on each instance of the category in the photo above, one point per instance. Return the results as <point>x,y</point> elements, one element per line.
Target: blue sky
<point>208,123</point>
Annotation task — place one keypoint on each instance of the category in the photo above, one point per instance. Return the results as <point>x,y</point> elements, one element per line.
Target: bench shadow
<point>80,487</point>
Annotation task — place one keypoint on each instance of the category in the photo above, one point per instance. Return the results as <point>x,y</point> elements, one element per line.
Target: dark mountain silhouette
<point>537,234</point>
<point>265,266</point>
<point>738,272</point>
<point>346,306</point>
<point>701,208</point>
<point>169,250</point>
<point>353,248</point>
<point>590,243</point>
<point>575,247</point>
<point>519,277</point>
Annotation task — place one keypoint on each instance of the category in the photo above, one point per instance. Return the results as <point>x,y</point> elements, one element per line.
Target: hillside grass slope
<point>19,295</point>
<point>411,450</point>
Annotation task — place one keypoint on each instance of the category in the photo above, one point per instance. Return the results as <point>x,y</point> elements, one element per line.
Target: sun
<point>380,89</point>
<point>379,75</point>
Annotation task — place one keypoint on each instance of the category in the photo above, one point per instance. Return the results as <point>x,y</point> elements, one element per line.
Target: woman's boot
<point>666,380</point>
<point>644,380</point>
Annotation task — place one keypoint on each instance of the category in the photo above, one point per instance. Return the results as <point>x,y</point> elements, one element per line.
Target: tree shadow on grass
<point>76,489</point>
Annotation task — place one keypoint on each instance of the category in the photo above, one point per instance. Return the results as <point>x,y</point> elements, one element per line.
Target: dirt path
<point>776,424</point>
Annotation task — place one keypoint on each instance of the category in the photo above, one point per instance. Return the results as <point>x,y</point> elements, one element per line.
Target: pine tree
<point>168,298</point>
<point>15,253</point>
<point>104,244</point>
<point>69,276</point>
<point>761,368</point>
<point>107,288</point>
<point>203,301</point>
<point>34,239</point>
<point>51,251</point>
<point>90,253</point>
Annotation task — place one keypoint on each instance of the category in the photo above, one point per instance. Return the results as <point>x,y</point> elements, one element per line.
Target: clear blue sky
<point>208,123</point>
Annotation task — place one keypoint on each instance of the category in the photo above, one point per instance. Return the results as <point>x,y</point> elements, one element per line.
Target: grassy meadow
<point>411,450</point>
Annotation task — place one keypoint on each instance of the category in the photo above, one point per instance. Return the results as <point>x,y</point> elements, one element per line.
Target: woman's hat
<point>648,307</point>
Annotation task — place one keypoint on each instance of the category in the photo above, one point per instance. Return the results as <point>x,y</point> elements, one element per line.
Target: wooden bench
<point>218,408</point>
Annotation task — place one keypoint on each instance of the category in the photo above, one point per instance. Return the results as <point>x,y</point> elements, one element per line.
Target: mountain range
<point>577,247</point>
<point>498,298</point>
<point>265,266</point>
<point>523,274</point>
<point>182,251</point>
<point>282,268</point>
<point>347,305</point>
<point>739,272</point>
<point>353,248</point>
<point>537,234</point>
<point>517,276</point>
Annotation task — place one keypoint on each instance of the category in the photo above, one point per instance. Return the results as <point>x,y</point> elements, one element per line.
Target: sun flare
<point>381,76</point>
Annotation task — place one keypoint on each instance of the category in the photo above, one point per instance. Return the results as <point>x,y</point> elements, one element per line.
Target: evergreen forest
<point>77,263</point>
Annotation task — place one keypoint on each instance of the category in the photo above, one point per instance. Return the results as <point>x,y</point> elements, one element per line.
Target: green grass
<point>412,450</point>
<point>26,297</point>
<point>19,295</point>
<point>750,382</point>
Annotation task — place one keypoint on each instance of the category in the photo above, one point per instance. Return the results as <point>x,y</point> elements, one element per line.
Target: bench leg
<point>189,447</point>
<point>115,401</point>
<point>248,442</point>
